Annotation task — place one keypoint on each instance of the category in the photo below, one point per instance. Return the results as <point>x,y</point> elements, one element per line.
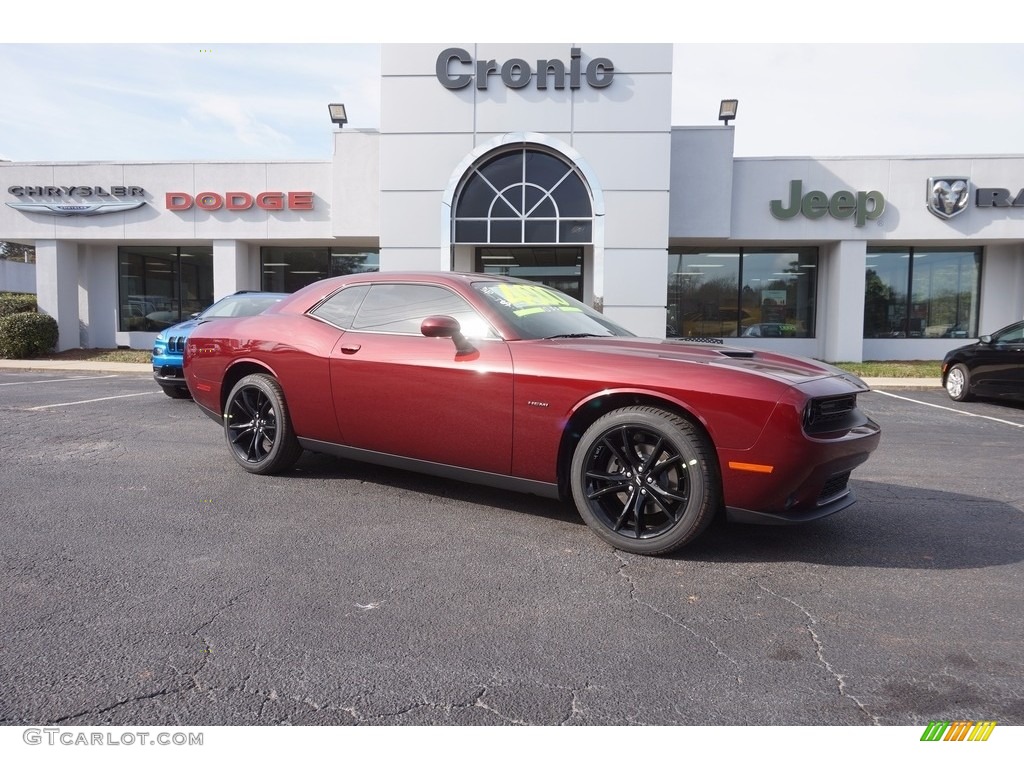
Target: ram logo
<point>947,195</point>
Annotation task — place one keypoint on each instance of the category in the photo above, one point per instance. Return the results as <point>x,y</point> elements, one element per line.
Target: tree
<point>17,252</point>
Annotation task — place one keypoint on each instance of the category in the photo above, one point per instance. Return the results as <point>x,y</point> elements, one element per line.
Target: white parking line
<point>95,400</point>
<point>49,381</point>
<point>946,408</point>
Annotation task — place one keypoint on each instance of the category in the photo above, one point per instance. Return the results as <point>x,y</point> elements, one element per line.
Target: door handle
<point>349,349</point>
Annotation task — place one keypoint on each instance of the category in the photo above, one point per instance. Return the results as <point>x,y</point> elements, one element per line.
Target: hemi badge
<point>765,469</point>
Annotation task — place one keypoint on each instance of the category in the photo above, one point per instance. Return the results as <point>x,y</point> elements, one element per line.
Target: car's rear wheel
<point>958,383</point>
<point>645,480</point>
<point>258,428</point>
<point>178,393</point>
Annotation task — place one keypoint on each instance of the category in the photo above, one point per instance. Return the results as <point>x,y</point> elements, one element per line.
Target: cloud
<point>181,102</point>
<point>214,114</point>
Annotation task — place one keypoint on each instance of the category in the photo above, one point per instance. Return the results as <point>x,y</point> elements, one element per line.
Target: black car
<point>992,367</point>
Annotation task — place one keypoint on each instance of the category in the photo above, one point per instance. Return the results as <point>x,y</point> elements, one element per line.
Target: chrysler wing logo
<point>947,195</point>
<point>75,209</point>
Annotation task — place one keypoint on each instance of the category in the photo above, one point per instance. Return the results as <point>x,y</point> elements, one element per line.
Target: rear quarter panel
<point>295,349</point>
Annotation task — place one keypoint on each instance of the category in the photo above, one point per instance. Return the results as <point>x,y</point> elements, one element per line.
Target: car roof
<point>309,295</point>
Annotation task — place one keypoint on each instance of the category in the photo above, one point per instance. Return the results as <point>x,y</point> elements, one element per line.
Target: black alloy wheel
<point>645,480</point>
<point>257,426</point>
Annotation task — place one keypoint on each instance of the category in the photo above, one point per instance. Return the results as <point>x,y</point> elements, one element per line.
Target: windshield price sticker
<point>530,299</point>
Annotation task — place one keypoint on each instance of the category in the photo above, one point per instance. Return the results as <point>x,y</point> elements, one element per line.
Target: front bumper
<point>792,476</point>
<point>168,371</point>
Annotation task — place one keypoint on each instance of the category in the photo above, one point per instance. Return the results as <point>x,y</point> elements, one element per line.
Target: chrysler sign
<point>63,207</point>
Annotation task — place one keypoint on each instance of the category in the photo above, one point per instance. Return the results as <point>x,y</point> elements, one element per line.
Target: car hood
<point>181,329</point>
<point>788,369</point>
<point>965,348</point>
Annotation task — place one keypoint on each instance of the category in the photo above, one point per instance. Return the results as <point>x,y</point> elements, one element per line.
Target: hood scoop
<point>740,354</point>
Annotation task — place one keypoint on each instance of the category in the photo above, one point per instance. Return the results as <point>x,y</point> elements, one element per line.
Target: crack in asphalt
<point>574,708</point>
<point>195,685</point>
<point>819,650</point>
<point>623,564</point>
<point>123,702</point>
<point>479,702</point>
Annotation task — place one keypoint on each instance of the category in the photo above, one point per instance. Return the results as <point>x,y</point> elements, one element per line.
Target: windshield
<point>539,312</point>
<point>1012,334</point>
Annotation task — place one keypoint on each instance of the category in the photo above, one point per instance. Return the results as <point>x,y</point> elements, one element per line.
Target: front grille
<point>834,488</point>
<point>831,414</point>
<point>176,344</point>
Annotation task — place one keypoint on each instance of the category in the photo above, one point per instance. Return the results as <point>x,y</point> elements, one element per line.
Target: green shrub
<point>26,334</point>
<point>13,303</point>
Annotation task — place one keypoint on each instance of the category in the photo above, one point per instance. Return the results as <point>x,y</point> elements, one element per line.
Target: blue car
<point>169,346</point>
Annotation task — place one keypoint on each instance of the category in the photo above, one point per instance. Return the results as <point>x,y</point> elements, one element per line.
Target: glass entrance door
<point>560,268</point>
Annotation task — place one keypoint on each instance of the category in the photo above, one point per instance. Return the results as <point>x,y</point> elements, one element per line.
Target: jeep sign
<point>860,206</point>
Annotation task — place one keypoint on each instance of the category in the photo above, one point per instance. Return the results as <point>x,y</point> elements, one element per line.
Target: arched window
<point>524,196</point>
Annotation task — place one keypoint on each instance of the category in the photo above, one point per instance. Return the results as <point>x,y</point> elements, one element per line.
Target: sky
<point>199,82</point>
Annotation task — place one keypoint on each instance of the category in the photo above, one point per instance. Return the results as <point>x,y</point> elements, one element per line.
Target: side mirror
<point>443,326</point>
<point>986,339</point>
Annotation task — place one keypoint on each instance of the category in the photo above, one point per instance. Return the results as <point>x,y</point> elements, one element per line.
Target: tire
<point>958,383</point>
<point>257,426</point>
<point>177,393</point>
<point>678,490</point>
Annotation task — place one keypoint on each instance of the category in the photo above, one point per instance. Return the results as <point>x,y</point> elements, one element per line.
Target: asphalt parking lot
<point>146,579</point>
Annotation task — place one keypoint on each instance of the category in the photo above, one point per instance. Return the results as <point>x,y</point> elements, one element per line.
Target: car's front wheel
<point>958,383</point>
<point>645,480</point>
<point>258,428</point>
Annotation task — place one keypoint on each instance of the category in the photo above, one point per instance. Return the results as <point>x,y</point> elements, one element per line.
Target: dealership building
<point>556,163</point>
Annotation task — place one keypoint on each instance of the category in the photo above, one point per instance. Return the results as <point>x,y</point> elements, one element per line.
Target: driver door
<point>399,392</point>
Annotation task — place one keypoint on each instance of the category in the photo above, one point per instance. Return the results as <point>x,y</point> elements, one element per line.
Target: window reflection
<point>762,293</point>
<point>913,293</point>
<point>160,286</point>
<point>286,269</point>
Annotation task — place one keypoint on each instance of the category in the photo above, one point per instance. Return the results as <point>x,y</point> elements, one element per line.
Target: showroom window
<point>751,292</point>
<point>287,269</point>
<point>162,285</point>
<point>921,293</point>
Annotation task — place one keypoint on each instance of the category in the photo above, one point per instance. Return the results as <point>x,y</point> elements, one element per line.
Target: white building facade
<point>558,163</point>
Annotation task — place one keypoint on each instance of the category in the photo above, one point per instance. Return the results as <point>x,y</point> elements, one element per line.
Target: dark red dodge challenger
<point>512,384</point>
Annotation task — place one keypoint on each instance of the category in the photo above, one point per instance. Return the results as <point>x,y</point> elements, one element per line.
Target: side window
<point>1012,336</point>
<point>340,308</point>
<point>402,307</point>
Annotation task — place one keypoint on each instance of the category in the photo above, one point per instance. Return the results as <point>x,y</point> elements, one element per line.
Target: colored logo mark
<point>958,730</point>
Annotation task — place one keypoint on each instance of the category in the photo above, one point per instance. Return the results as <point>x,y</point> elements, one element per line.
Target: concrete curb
<point>96,367</point>
<point>894,383</point>
<point>74,365</point>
